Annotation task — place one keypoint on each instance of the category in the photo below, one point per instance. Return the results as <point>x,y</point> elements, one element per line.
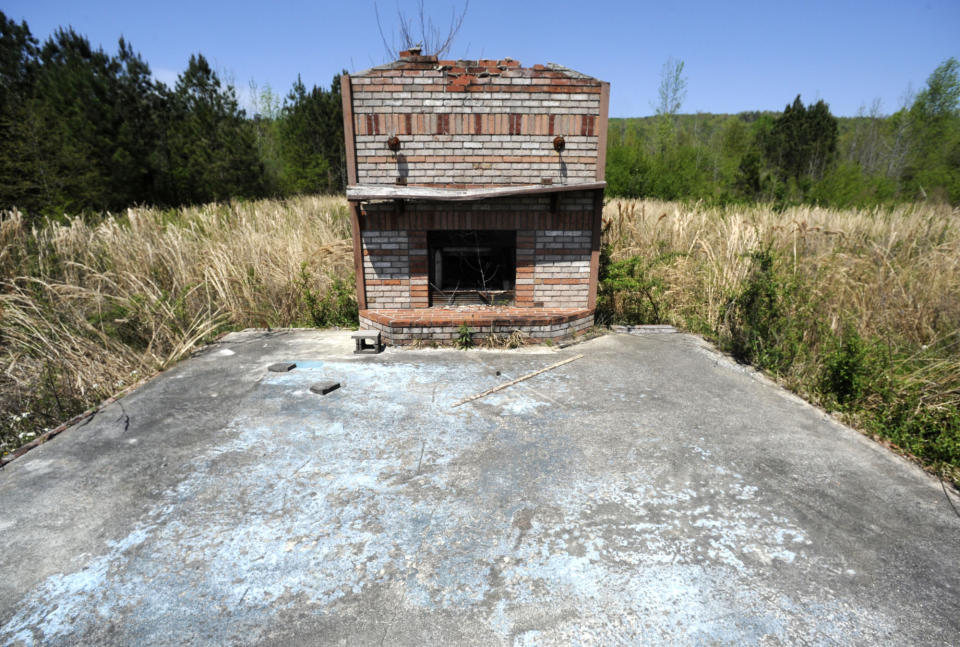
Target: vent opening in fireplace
<point>472,267</point>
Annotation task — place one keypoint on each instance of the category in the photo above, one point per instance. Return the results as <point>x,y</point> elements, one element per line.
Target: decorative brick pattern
<point>474,123</point>
<point>468,123</point>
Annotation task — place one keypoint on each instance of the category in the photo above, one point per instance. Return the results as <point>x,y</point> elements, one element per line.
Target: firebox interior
<point>472,267</point>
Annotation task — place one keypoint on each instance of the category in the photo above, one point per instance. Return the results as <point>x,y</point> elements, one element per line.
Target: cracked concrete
<point>645,494</point>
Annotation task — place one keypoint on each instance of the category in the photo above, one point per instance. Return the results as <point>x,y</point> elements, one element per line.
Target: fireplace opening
<point>472,267</point>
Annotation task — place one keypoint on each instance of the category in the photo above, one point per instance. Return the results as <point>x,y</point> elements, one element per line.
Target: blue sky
<point>738,55</point>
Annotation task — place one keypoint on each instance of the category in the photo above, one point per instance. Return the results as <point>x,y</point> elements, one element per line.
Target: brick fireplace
<point>475,191</point>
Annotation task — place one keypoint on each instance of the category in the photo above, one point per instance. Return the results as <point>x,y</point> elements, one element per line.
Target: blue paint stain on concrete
<point>308,364</point>
<point>304,503</point>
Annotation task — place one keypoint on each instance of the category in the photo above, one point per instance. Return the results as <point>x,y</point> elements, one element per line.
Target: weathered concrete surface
<point>648,493</point>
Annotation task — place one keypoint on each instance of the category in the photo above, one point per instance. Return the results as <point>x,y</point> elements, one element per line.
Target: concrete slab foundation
<point>646,494</point>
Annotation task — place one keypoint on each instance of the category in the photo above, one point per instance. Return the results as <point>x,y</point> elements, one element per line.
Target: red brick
<point>443,124</point>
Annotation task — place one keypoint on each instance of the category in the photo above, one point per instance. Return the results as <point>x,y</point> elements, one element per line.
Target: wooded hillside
<point>803,154</point>
<point>86,131</point>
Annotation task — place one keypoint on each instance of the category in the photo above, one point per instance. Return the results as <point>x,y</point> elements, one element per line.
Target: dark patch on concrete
<point>522,522</point>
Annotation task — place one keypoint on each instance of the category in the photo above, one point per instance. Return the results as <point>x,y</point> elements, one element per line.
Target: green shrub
<point>629,292</point>
<point>851,369</point>
<point>337,306</point>
<point>922,426</point>
<point>763,324</point>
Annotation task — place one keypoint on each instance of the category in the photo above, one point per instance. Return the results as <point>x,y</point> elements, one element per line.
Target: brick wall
<point>386,268</point>
<point>398,331</point>
<point>554,245</point>
<point>561,270</point>
<point>475,123</point>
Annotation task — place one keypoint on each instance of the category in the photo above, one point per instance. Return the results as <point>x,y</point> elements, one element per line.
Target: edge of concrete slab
<point>90,412</point>
<point>889,449</point>
<point>77,420</point>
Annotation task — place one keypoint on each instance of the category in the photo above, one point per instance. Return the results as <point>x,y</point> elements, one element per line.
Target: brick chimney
<point>476,190</point>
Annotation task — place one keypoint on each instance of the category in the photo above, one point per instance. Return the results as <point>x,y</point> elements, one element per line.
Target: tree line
<point>82,130</point>
<point>85,131</point>
<point>804,154</point>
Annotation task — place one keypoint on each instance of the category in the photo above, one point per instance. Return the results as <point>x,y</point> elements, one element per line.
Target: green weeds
<point>629,291</point>
<point>464,338</point>
<point>764,323</point>
<point>337,306</point>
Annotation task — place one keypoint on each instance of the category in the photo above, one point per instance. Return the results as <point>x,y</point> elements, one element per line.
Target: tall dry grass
<point>86,309</point>
<point>887,278</point>
<point>892,272</point>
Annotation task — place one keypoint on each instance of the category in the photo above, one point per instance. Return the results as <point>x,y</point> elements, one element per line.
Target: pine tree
<point>311,140</point>
<point>73,109</point>
<point>211,150</point>
<point>19,161</point>
<point>138,107</point>
<point>803,141</point>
